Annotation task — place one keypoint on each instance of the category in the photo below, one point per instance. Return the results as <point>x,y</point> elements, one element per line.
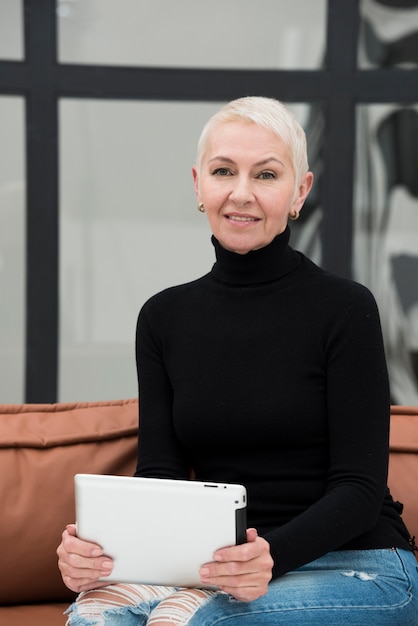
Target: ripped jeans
<point>353,588</point>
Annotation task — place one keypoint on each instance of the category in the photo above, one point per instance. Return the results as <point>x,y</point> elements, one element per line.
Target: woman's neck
<point>257,266</point>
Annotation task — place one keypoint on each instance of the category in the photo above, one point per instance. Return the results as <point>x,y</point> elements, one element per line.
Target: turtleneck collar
<point>257,266</point>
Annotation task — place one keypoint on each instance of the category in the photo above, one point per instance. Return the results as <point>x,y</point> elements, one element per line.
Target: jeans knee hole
<point>360,575</point>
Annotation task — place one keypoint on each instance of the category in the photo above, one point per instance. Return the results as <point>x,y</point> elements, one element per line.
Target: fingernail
<point>204,572</point>
<point>107,565</point>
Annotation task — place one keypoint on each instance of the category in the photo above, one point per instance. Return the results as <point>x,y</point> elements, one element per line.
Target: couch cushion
<point>403,462</point>
<point>34,615</point>
<point>41,448</point>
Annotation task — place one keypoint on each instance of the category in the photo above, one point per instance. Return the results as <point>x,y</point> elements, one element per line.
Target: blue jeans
<point>355,588</point>
<point>352,588</point>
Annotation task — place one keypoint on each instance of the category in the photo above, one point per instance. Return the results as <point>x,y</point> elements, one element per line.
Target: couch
<point>43,446</point>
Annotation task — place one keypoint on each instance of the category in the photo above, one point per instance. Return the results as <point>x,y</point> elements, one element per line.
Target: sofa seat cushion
<point>403,463</point>
<point>34,614</point>
<point>41,448</point>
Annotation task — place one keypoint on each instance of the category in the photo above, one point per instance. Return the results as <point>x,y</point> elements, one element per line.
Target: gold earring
<point>294,216</point>
<point>200,207</point>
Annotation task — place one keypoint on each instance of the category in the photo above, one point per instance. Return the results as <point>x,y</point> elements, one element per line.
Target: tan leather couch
<point>43,446</point>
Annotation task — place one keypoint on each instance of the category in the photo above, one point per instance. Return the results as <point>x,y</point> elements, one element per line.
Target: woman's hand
<point>244,571</point>
<point>81,563</point>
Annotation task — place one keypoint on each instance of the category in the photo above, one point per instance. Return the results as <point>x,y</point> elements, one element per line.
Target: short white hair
<point>268,113</point>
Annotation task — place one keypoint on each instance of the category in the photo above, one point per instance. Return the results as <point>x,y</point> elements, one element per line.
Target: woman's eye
<point>267,175</point>
<point>221,171</point>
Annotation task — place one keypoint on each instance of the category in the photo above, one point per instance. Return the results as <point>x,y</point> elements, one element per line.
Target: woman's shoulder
<point>176,295</point>
<point>326,284</point>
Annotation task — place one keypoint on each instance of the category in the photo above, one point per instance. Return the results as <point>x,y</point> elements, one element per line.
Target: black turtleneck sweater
<point>270,372</point>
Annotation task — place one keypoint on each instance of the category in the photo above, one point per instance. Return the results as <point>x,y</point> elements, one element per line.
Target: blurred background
<point>101,106</point>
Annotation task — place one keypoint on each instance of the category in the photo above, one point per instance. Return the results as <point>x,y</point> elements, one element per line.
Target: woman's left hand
<point>244,571</point>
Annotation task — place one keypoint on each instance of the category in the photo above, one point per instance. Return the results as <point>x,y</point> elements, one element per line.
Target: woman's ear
<point>195,175</point>
<point>305,185</point>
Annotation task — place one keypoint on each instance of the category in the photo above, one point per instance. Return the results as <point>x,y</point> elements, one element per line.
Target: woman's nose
<point>241,192</point>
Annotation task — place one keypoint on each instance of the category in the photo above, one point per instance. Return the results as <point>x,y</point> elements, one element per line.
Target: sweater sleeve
<point>358,406</point>
<point>160,454</point>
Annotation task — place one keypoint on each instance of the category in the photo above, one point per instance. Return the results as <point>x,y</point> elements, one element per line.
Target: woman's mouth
<point>242,218</point>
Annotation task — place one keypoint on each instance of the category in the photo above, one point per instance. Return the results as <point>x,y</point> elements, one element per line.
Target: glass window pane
<point>12,250</point>
<point>386,232</point>
<point>11,30</point>
<point>388,34</point>
<point>185,33</point>
<point>129,227</point>
<point>306,231</point>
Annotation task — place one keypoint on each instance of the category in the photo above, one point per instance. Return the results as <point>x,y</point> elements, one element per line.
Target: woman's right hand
<point>81,563</point>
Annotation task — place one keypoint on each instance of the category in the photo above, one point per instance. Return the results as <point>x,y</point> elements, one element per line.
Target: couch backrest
<point>403,462</point>
<point>41,448</point>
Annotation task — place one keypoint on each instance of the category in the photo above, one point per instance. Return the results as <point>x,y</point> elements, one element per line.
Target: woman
<point>270,372</point>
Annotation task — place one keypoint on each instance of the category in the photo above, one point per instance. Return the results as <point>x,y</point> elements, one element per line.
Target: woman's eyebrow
<point>258,164</point>
<point>268,160</point>
<point>221,158</point>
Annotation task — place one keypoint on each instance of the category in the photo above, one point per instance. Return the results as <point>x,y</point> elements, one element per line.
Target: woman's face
<point>247,185</point>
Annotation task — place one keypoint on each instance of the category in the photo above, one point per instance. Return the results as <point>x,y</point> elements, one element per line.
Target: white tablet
<point>159,531</point>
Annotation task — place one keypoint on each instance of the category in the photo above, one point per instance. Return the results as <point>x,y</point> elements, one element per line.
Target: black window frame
<point>338,87</point>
